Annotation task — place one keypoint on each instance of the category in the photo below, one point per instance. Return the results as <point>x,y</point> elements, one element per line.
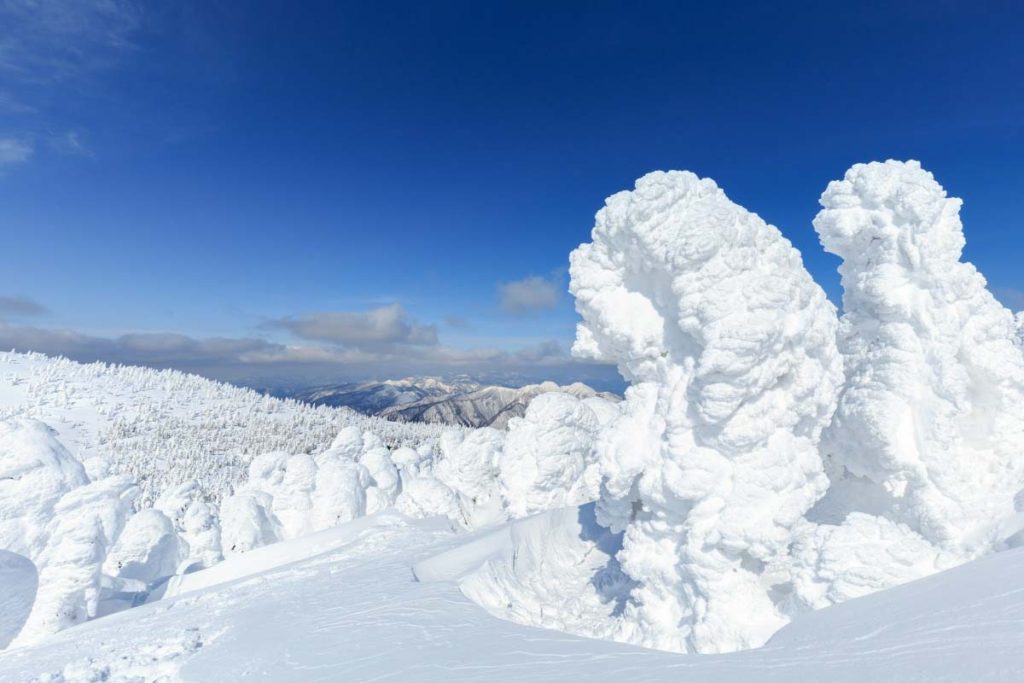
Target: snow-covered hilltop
<point>433,401</point>
<point>769,459</point>
<point>165,427</point>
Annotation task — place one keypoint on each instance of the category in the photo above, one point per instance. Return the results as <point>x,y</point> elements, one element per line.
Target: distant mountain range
<point>429,399</point>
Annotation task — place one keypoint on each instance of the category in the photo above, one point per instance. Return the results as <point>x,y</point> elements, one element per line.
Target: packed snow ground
<point>346,605</point>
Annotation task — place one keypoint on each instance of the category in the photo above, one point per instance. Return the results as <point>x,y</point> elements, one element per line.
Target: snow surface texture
<point>730,348</point>
<point>341,605</point>
<point>931,417</point>
<point>18,583</point>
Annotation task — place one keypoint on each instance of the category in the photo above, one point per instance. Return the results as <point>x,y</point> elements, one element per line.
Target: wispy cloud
<point>14,151</point>
<point>534,293</point>
<point>50,50</point>
<point>21,306</point>
<point>44,41</point>
<point>70,142</point>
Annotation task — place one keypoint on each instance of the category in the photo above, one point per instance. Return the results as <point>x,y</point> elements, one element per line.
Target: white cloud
<point>534,293</point>
<point>14,151</point>
<point>379,327</point>
<point>243,359</point>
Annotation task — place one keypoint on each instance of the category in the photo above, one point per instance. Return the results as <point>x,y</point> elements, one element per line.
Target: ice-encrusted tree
<point>730,349</point>
<point>53,515</point>
<point>930,425</point>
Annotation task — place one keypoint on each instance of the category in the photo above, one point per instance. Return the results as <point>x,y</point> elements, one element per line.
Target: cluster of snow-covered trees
<point>97,549</point>
<point>770,457</point>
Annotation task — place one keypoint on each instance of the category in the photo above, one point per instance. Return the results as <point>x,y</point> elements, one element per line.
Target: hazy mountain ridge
<point>461,401</point>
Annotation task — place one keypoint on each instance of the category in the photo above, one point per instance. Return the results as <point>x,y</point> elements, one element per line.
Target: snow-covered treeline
<point>165,427</point>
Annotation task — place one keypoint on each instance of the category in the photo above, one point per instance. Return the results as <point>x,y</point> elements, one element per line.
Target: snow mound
<point>730,348</point>
<point>931,415</point>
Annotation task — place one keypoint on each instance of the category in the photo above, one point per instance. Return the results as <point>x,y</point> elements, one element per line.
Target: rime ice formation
<point>195,519</point>
<point>247,523</point>
<point>931,418</point>
<point>549,460</point>
<point>552,570</point>
<point>140,421</point>
<point>53,515</point>
<point>147,550</point>
<point>730,348</point>
<point>831,564</point>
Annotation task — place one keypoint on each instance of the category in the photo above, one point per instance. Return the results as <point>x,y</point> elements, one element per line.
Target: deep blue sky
<point>208,168</point>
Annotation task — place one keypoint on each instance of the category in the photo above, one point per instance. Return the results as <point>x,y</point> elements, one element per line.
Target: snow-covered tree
<point>930,425</point>
<point>730,348</point>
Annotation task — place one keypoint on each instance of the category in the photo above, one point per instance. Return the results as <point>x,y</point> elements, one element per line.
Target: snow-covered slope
<point>346,605</point>
<point>490,406</point>
<point>166,427</point>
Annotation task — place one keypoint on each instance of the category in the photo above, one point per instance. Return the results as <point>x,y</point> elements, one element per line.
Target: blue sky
<point>346,190</point>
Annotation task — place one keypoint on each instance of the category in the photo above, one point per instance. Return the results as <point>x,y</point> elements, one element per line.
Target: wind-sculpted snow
<point>51,514</point>
<point>932,412</point>
<point>730,348</point>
